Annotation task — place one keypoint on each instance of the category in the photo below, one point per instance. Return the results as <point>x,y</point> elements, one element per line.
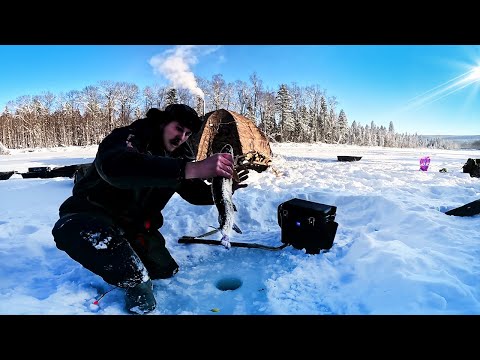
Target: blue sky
<point>424,89</point>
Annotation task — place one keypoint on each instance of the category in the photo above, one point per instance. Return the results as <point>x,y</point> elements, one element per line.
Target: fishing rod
<point>197,240</point>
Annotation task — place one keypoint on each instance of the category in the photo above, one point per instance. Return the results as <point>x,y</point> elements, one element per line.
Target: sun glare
<point>474,74</point>
<point>445,89</point>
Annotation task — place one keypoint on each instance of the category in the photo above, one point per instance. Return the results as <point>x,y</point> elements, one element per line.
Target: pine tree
<point>322,119</point>
<point>199,107</point>
<point>342,127</point>
<point>391,128</point>
<point>284,108</point>
<point>171,97</point>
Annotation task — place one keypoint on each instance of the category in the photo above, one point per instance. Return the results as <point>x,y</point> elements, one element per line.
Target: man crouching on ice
<point>110,223</point>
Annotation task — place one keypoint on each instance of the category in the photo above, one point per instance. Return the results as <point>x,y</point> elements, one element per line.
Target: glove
<point>241,175</point>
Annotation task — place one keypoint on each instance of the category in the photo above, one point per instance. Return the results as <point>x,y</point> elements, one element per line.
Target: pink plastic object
<point>424,162</point>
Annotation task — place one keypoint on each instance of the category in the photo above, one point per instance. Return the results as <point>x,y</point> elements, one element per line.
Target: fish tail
<point>226,242</point>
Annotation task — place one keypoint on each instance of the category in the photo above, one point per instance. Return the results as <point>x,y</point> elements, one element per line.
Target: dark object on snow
<point>46,172</point>
<point>349,158</point>
<point>470,209</point>
<point>306,224</point>
<point>39,169</point>
<point>443,170</point>
<point>472,166</point>
<point>64,171</point>
<point>6,175</point>
<point>37,173</point>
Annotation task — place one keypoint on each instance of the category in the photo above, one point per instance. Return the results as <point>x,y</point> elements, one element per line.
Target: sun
<point>474,74</point>
<point>451,86</point>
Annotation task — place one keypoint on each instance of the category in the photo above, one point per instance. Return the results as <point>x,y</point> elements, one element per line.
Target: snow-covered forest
<point>290,113</point>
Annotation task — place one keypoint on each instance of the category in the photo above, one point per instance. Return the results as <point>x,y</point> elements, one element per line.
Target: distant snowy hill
<point>465,141</point>
<point>456,138</point>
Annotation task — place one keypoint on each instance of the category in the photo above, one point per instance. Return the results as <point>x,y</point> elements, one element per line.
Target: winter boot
<point>140,299</point>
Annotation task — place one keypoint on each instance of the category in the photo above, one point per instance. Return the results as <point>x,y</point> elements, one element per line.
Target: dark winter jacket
<point>132,178</point>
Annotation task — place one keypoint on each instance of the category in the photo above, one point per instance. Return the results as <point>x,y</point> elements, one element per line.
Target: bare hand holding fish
<point>220,164</point>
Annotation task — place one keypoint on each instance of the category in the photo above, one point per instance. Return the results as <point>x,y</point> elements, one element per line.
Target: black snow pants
<point>122,259</point>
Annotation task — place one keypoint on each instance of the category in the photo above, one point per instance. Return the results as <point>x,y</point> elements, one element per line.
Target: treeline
<point>476,145</point>
<point>290,113</point>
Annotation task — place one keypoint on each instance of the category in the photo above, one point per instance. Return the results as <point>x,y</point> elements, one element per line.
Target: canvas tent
<point>250,145</point>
